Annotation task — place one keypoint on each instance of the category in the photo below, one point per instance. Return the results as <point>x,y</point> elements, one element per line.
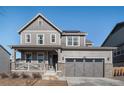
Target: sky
<point>98,22</point>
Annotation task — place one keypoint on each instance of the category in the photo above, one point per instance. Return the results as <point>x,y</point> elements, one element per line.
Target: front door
<point>55,59</point>
<point>50,61</point>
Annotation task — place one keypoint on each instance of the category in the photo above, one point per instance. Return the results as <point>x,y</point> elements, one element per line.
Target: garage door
<point>78,67</point>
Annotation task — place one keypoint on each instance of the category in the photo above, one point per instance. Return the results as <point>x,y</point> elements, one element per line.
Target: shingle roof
<point>115,29</point>
<point>4,49</point>
<point>62,47</point>
<point>73,32</point>
<point>34,18</point>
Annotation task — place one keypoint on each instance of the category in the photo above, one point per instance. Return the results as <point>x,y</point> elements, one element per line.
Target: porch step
<point>50,75</point>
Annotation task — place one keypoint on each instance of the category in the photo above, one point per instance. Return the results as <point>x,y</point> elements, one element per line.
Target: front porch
<point>35,59</point>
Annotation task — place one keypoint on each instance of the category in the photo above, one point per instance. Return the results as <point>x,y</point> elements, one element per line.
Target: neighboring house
<point>4,60</point>
<point>44,47</point>
<point>116,39</point>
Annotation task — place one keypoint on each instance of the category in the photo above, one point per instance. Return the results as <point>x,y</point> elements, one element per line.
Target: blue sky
<point>96,21</point>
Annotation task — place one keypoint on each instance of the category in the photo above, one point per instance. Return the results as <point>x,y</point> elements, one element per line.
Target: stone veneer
<point>61,69</point>
<point>108,68</point>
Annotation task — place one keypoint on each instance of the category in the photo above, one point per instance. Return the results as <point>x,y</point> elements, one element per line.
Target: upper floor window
<point>72,41</point>
<point>40,39</point>
<point>69,40</point>
<point>75,41</point>
<point>53,38</point>
<point>27,38</point>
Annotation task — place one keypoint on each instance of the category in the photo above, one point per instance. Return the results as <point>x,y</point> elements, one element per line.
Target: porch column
<point>59,58</point>
<point>13,64</point>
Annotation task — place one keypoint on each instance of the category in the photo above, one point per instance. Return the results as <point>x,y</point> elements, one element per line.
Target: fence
<point>118,71</point>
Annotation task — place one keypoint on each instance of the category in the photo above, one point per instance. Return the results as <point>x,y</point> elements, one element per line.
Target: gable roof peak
<point>35,17</point>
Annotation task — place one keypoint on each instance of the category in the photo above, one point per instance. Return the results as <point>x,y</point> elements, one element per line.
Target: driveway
<point>87,81</point>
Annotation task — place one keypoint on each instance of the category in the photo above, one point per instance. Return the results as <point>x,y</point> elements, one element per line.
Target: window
<point>99,60</point>
<point>40,57</point>
<point>69,40</point>
<point>72,41</point>
<point>75,41</point>
<point>69,59</point>
<point>88,60</point>
<point>53,38</point>
<point>28,57</point>
<point>28,38</point>
<point>79,59</point>
<point>40,39</point>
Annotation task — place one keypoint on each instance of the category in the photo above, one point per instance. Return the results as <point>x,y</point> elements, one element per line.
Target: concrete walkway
<point>87,81</point>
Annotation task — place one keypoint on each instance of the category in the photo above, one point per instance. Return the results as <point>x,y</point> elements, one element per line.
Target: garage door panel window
<point>69,60</point>
<point>88,60</point>
<point>79,60</point>
<point>82,60</point>
<point>99,60</point>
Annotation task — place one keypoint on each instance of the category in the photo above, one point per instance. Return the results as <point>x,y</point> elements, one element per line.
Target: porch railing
<point>29,66</point>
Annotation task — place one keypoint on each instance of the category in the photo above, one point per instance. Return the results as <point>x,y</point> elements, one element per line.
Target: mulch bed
<point>31,82</point>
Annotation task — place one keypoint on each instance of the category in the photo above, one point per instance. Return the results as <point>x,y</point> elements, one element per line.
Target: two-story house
<point>116,39</point>
<point>4,60</point>
<point>44,47</point>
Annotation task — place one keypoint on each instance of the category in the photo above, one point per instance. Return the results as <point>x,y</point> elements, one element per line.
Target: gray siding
<point>35,25</point>
<point>45,28</point>
<point>82,42</point>
<point>46,37</point>
<point>88,69</point>
<point>116,39</point>
<point>4,61</point>
<point>88,54</point>
<point>34,29</point>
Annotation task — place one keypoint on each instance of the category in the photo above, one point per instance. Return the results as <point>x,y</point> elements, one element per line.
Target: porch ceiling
<point>35,47</point>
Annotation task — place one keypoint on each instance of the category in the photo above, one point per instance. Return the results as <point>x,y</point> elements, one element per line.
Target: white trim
<point>40,53</point>
<point>37,38</point>
<point>27,70</point>
<point>20,38</point>
<point>79,40</point>
<point>73,41</point>
<point>66,41</point>
<point>45,31</point>
<point>60,38</point>
<point>86,58</point>
<point>51,38</point>
<point>84,41</point>
<point>39,14</point>
<point>26,37</point>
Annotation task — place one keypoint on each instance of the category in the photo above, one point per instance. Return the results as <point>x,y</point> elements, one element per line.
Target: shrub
<point>25,75</point>
<point>4,75</point>
<point>36,75</point>
<point>14,75</point>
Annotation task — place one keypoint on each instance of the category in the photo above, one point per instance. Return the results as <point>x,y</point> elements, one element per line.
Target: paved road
<point>86,81</point>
